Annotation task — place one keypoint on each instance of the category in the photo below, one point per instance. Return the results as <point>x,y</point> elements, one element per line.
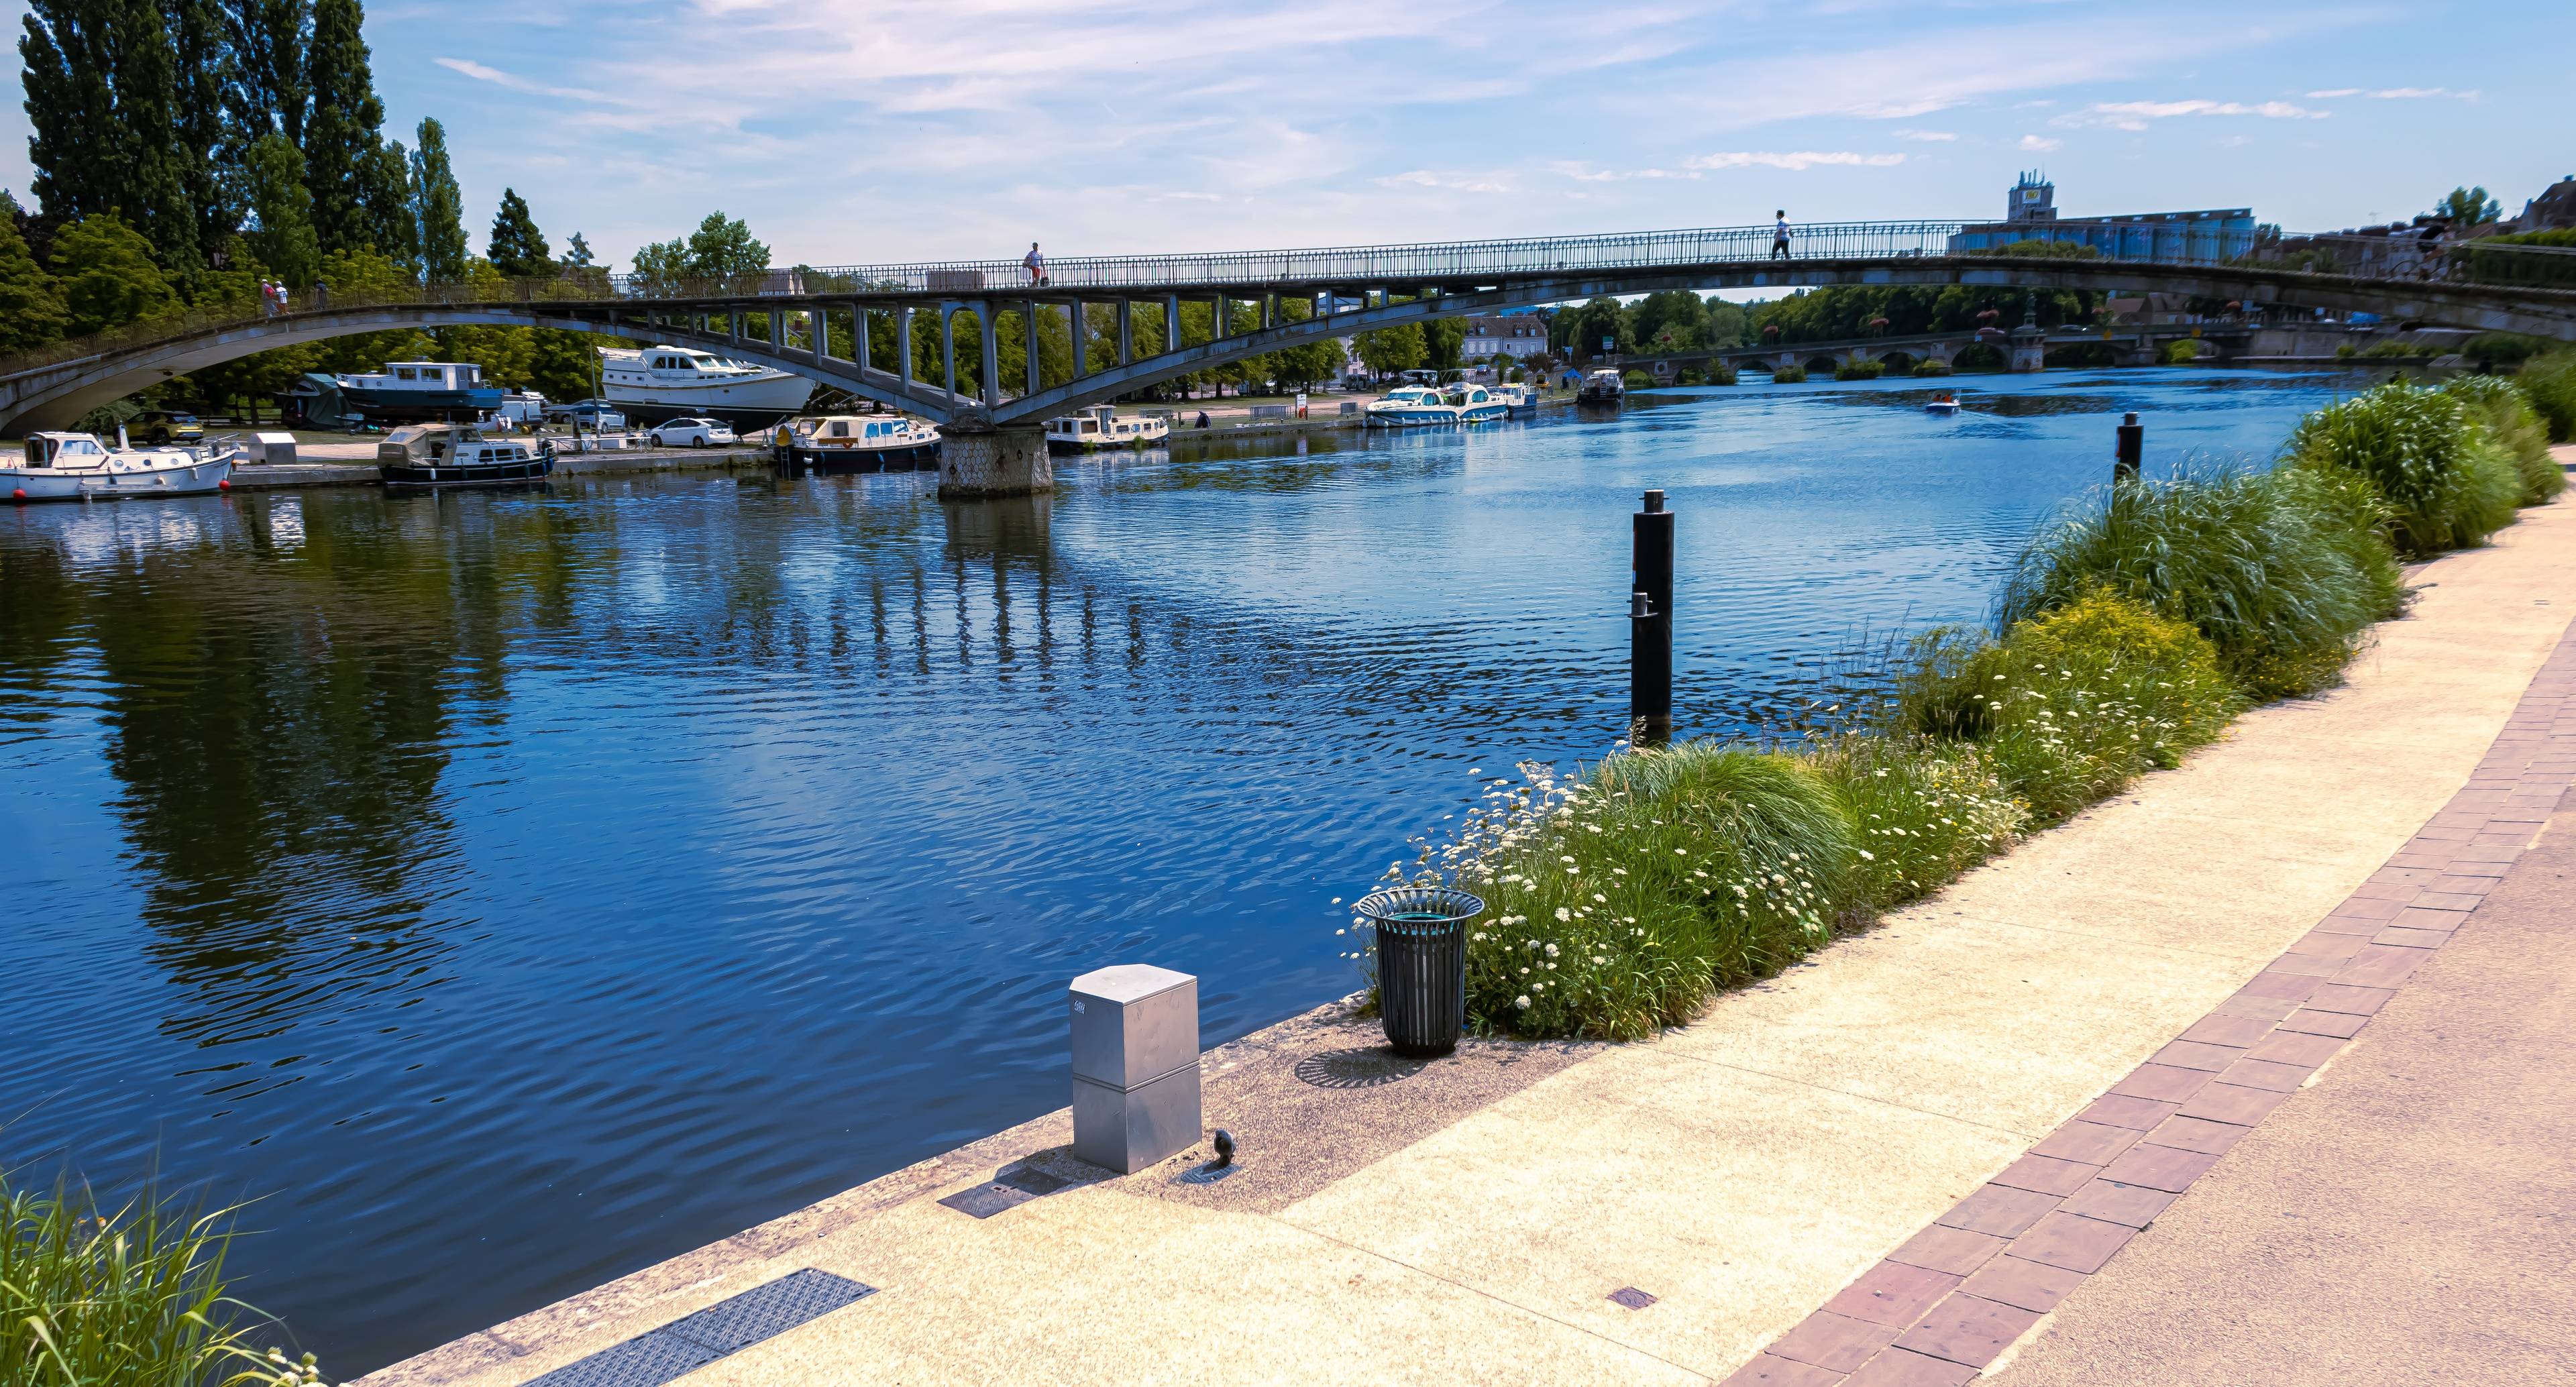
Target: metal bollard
<point>1650,624</point>
<point>1135,1065</point>
<point>2133,450</point>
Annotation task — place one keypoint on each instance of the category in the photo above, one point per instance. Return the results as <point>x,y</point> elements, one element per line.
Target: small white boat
<point>79,467</point>
<point>1100,427</point>
<point>1409,407</point>
<point>458,455</point>
<point>1942,404</point>
<point>1603,387</point>
<point>856,443</point>
<point>1475,404</point>
<point>1519,401</point>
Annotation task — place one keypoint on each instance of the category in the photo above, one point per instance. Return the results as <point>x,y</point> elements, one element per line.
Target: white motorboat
<point>1519,400</point>
<point>1603,387</point>
<point>1409,407</point>
<point>1944,403</point>
<point>857,443</point>
<point>1100,427</point>
<point>663,382</point>
<point>79,467</point>
<point>1475,404</point>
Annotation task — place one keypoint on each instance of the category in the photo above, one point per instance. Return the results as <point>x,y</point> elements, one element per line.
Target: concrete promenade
<point>1697,1208</point>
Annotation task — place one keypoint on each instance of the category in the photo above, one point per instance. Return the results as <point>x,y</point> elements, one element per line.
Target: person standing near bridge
<point>1036,264</point>
<point>1780,235</point>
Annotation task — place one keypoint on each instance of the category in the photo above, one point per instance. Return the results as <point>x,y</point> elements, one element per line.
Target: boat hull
<point>909,457</point>
<point>87,484</point>
<point>420,406</point>
<point>1410,418</point>
<point>1112,445</point>
<point>747,406</point>
<point>452,476</point>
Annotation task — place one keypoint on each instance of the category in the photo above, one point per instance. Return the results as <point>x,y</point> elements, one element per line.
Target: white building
<point>1515,335</point>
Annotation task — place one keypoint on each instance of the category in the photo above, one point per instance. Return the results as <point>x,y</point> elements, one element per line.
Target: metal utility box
<point>1135,1065</point>
<point>276,449</point>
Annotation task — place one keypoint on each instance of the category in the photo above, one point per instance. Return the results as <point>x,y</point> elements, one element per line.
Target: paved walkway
<point>1663,1212</point>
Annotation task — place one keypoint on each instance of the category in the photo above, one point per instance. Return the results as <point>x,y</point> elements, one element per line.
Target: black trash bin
<point>1421,964</point>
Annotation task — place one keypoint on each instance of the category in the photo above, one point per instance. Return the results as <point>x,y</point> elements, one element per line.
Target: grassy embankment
<point>126,1297</point>
<point>2131,631</point>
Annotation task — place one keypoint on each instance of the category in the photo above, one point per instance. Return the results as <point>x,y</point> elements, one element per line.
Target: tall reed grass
<point>2549,382</point>
<point>2505,412</point>
<point>2447,484</point>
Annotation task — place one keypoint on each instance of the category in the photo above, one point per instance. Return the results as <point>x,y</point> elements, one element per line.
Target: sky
<point>853,133</point>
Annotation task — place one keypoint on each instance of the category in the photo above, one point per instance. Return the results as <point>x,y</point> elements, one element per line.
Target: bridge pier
<point>994,462</point>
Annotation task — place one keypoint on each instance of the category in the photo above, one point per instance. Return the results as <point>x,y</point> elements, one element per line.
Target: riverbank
<point>265,477</point>
<point>1474,1219</point>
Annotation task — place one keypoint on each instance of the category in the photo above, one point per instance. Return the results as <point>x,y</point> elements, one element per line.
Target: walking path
<point>1897,1109</point>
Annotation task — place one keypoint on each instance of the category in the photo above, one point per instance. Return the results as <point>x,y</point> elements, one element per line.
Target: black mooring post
<point>1650,625</point>
<point>2133,449</point>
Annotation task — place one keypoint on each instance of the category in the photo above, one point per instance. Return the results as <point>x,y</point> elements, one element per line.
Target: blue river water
<point>507,891</point>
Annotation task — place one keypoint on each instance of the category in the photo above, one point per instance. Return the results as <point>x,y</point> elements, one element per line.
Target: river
<point>506,891</point>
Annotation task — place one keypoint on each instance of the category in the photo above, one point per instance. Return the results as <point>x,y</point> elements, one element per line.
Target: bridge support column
<point>994,462</point>
<point>1029,330</point>
<point>990,341</point>
<point>859,332</point>
<point>1126,332</point>
<point>1081,325</point>
<point>903,347</point>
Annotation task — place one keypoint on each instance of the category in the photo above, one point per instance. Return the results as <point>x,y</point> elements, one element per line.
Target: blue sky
<point>907,129</point>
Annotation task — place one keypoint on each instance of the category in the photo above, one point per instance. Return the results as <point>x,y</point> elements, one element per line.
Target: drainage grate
<point>1631,1297</point>
<point>1207,1174</point>
<point>728,1326</point>
<point>1008,1190</point>
<point>1370,1067</point>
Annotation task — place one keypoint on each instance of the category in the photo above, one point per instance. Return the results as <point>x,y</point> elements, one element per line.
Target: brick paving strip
<point>1955,1296</point>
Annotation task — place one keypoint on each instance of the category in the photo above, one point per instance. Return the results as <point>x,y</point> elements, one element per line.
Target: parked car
<point>158,426</point>
<point>594,415</point>
<point>692,433</point>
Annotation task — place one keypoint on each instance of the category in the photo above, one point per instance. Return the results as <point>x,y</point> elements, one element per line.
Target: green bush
<point>2503,348</point>
<point>1922,811</point>
<point>2549,382</point>
<point>1637,380</point>
<point>2181,352</point>
<point>2282,570</point>
<point>1860,370</point>
<point>1931,368</point>
<point>132,1296</point>
<point>2514,427</point>
<point>1719,373</point>
<point>1788,375</point>
<point>1616,905</point>
<point>2446,483</point>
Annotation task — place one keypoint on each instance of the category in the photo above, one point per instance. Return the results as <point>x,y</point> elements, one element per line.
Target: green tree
<point>385,196</point>
<point>1443,342</point>
<point>663,264</point>
<point>281,211</point>
<point>577,253</point>
<point>31,308</point>
<point>561,365</point>
<point>438,209</point>
<point>107,274</point>
<point>2469,207</point>
<point>355,273</point>
<point>196,33</point>
<point>234,284</point>
<point>1582,330</point>
<point>267,90</point>
<point>1728,325</point>
<point>504,353</point>
<point>1387,350</point>
<point>344,132</point>
<point>724,246</point>
<point>1674,320</point>
<point>102,102</point>
<point>518,249</point>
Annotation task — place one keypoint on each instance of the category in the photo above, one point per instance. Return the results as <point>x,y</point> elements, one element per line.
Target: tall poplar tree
<point>273,178</point>
<point>266,89</point>
<point>343,131</point>
<point>102,99</point>
<point>197,35</point>
<point>438,208</point>
<point>31,308</point>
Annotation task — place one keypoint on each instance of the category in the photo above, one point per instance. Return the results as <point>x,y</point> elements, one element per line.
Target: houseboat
<point>81,467</point>
<point>1409,407</point>
<point>652,384</point>
<point>1475,404</point>
<point>418,391</point>
<point>1602,387</point>
<point>458,455</point>
<point>856,443</point>
<point>1100,427</point>
<point>1519,400</point>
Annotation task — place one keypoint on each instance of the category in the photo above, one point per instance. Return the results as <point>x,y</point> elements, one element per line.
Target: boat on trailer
<point>856,443</point>
<point>82,467</point>
<point>1100,427</point>
<point>422,456</point>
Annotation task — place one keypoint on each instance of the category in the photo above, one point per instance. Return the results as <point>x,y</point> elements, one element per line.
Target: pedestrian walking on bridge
<point>1036,264</point>
<point>1780,235</point>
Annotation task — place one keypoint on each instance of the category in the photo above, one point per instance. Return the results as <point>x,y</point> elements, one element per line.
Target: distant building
<point>1515,335</point>
<point>2030,214</point>
<point>2553,210</point>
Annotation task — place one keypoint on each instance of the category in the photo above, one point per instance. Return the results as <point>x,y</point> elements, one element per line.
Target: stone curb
<point>1957,1295</point>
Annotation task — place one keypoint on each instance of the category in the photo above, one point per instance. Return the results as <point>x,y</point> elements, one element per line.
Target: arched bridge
<point>796,319</point>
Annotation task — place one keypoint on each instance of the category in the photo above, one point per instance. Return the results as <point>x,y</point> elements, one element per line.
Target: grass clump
<point>1788,375</point>
<point>1922,811</point>
<point>2282,570</point>
<point>1929,367</point>
<point>1860,370</point>
<point>2447,484</point>
<point>2549,382</point>
<point>131,1296</point>
<point>2515,428</point>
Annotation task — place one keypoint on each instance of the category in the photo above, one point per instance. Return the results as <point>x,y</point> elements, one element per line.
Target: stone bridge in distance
<point>793,319</point>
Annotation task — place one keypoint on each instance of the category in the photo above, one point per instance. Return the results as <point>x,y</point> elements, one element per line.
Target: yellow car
<point>159,426</point>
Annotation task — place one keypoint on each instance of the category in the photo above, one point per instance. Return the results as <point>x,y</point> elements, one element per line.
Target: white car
<point>691,433</point>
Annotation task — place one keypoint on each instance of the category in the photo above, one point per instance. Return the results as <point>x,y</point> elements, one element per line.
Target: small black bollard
<point>2133,449</point>
<point>1650,625</point>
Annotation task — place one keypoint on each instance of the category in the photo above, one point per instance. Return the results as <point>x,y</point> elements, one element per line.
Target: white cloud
<point>2336,94</point>
<point>1798,162</point>
<point>1927,136</point>
<point>2038,145</point>
<point>2393,93</point>
<point>2135,115</point>
<point>1456,183</point>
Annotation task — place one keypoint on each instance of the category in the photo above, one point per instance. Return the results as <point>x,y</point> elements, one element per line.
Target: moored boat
<point>81,467</point>
<point>413,391</point>
<point>856,443</point>
<point>1409,407</point>
<point>653,384</point>
<point>458,455</point>
<point>1602,387</point>
<point>1519,401</point>
<point>1100,427</point>
<point>1475,404</point>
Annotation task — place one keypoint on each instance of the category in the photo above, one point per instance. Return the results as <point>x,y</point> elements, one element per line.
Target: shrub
<point>1860,370</point>
<point>2282,570</point>
<point>133,1295</point>
<point>1617,904</point>
<point>1719,373</point>
<point>2503,348</point>
<point>1637,380</point>
<point>2446,484</point>
<point>2549,382</point>
<point>1922,811</point>
<point>2515,428</point>
<point>1931,368</point>
<point>1788,375</point>
<point>2181,352</point>
<point>1978,356</point>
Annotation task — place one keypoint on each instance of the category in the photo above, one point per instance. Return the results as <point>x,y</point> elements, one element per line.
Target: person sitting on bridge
<point>1780,235</point>
<point>1036,264</point>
